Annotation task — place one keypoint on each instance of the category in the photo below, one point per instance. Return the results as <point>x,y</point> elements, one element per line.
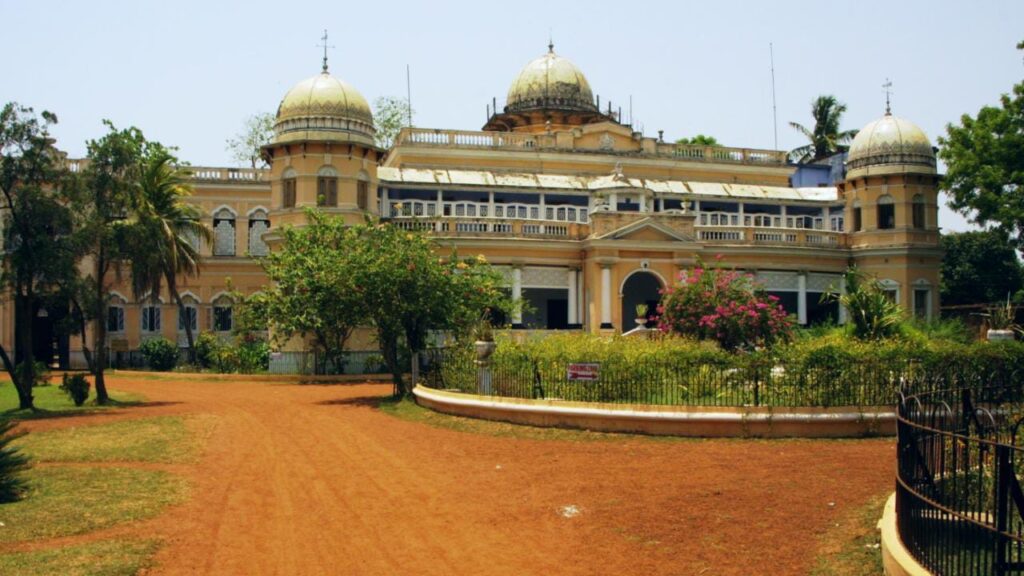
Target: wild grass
<point>66,500</point>
<point>851,547</point>
<point>51,402</point>
<point>166,439</point>
<point>102,558</point>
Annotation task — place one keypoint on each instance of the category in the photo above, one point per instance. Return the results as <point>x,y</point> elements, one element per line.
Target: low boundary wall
<point>698,421</point>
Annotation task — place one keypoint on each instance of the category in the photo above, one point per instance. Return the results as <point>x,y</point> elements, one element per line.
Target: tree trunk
<point>89,362</point>
<point>25,370</point>
<point>181,314</point>
<point>100,332</point>
<point>24,402</point>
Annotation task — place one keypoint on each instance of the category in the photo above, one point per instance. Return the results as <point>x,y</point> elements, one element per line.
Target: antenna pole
<point>631,110</point>
<point>408,94</point>
<point>775,113</point>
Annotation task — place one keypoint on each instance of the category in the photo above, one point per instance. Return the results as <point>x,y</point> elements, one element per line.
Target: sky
<point>189,73</point>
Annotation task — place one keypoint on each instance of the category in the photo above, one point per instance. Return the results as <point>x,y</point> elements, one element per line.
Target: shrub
<point>76,387</point>
<point>207,346</point>
<point>725,306</point>
<point>160,354</point>
<point>253,354</point>
<point>40,372</point>
<point>872,312</point>
<point>12,464</point>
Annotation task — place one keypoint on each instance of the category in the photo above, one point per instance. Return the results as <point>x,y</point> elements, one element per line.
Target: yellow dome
<point>324,108</point>
<point>890,145</point>
<point>550,82</point>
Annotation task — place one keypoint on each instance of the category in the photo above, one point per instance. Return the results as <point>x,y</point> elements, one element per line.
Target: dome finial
<point>888,92</point>
<point>325,47</point>
<point>551,43</point>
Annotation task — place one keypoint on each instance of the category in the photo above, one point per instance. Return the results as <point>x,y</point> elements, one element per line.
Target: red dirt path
<point>307,479</point>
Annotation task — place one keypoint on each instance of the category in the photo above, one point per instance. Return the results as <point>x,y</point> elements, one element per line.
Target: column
<point>613,201</point>
<point>385,205</point>
<point>642,201</point>
<point>606,296</point>
<point>490,205</point>
<point>573,319</point>
<point>842,292</point>
<point>801,299</point>
<point>517,295</point>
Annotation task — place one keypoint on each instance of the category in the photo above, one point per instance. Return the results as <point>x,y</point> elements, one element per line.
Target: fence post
<point>1003,471</point>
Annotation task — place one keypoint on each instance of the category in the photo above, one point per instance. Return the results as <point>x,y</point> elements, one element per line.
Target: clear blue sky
<point>188,73</point>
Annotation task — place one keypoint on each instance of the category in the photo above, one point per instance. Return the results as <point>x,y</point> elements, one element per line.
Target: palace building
<point>586,216</point>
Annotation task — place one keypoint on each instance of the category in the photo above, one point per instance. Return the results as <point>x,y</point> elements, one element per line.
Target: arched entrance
<point>641,287</point>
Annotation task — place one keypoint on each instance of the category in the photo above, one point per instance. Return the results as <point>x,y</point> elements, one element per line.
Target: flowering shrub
<point>725,306</point>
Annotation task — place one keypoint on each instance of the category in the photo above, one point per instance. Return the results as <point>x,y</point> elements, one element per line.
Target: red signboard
<point>584,372</point>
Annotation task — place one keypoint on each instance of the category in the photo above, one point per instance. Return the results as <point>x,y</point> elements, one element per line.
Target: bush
<point>207,346</point>
<point>160,354</point>
<point>725,306</point>
<point>12,464</point>
<point>41,373</point>
<point>76,387</point>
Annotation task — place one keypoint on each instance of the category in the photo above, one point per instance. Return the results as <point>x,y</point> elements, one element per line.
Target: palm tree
<point>825,139</point>
<point>163,234</point>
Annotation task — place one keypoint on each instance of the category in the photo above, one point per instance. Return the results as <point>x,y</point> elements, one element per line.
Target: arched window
<point>918,212</point>
<point>363,190</point>
<point>190,314</point>
<point>886,213</point>
<point>288,189</point>
<point>327,187</point>
<point>151,320</point>
<point>891,289</point>
<point>858,223</point>
<point>223,320</point>
<point>224,233</point>
<point>259,224</point>
<point>115,314</point>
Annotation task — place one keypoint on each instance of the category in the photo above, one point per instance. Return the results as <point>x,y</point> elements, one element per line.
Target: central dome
<point>324,108</point>
<point>550,82</point>
<point>890,145</point>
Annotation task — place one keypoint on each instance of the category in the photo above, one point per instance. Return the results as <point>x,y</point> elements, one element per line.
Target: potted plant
<point>1002,323</point>
<point>641,315</point>
<point>484,344</point>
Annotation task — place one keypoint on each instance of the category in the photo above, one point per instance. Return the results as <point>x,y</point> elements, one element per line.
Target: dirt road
<point>310,479</point>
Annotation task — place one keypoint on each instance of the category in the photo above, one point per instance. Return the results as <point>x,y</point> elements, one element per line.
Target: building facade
<point>586,216</point>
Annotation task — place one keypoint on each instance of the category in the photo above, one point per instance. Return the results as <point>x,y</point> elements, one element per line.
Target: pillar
<point>606,296</point>
<point>842,292</point>
<point>385,205</point>
<point>801,299</point>
<point>573,318</point>
<point>517,295</point>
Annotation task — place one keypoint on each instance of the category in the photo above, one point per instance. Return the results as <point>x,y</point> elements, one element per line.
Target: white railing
<point>465,209</point>
<point>205,173</point>
<point>719,235</point>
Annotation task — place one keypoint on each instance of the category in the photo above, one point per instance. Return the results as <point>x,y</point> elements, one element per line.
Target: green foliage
<point>160,354</point>
<point>12,464</point>
<point>39,255</point>
<point>246,146</point>
<point>985,167</point>
<point>1002,316</point>
<point>390,115</point>
<point>39,375</point>
<point>825,138</point>
<point>699,140</point>
<point>943,329</point>
<point>76,387</point>
<point>979,267</point>
<point>710,303</point>
<point>873,313</point>
<point>207,347</point>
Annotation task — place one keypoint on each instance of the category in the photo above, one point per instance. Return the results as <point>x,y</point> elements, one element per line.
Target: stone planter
<point>640,322</point>
<point>999,335</point>
<point>484,349</point>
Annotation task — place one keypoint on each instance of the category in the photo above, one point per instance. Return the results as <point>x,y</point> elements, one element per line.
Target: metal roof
<point>562,182</point>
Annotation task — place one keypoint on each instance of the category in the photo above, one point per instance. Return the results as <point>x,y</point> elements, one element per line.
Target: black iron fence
<point>718,381</point>
<point>959,503</point>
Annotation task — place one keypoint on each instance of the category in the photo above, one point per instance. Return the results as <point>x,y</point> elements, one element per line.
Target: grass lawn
<point>166,439</point>
<point>851,548</point>
<point>65,500</point>
<point>103,558</point>
<point>50,401</point>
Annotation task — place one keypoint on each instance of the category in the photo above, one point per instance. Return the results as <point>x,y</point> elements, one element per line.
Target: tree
<point>979,268</point>
<point>699,140</point>
<point>408,291</point>
<point>39,253</point>
<point>984,158</point>
<point>246,146</point>
<point>313,291</point>
<point>825,139</point>
<point>12,463</point>
<point>105,194</point>
<point>161,237</point>
<point>390,116</point>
